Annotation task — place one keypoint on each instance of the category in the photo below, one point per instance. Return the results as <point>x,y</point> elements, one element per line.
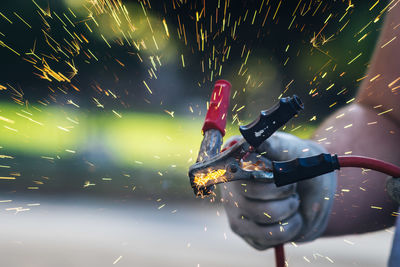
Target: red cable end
<point>370,163</point>
<point>218,109</point>
<point>280,256</point>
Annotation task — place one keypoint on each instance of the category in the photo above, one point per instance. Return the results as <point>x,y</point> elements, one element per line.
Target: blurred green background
<point>127,118</point>
<point>101,108</point>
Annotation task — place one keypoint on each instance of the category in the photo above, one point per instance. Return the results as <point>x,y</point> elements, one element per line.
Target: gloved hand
<point>265,215</point>
<point>393,188</point>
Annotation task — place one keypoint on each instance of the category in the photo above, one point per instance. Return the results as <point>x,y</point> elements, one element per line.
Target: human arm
<point>369,127</point>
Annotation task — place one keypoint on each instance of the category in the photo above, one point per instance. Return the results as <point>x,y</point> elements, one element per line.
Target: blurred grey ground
<point>105,232</point>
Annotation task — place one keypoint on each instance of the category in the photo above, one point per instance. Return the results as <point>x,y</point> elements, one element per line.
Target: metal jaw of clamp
<point>225,167</point>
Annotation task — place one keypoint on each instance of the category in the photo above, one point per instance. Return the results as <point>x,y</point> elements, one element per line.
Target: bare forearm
<point>370,127</point>
<point>361,203</point>
<point>380,90</point>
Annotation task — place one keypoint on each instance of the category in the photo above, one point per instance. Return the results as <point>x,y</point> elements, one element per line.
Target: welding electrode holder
<point>254,133</point>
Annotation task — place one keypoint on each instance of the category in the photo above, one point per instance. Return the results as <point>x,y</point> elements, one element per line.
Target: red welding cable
<point>280,256</point>
<point>349,161</point>
<point>369,163</point>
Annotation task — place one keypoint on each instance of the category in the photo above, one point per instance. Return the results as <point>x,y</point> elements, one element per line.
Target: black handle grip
<point>293,171</point>
<point>271,120</point>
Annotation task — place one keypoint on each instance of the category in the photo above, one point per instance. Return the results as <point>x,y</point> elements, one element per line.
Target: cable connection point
<point>293,171</point>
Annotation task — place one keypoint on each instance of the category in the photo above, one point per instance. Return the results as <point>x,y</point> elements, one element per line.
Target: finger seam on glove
<point>280,222</point>
<point>258,200</point>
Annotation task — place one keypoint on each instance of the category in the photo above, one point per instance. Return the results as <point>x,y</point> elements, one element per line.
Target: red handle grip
<point>218,109</point>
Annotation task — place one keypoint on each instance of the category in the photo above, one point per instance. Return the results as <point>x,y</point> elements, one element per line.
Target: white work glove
<point>265,215</point>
